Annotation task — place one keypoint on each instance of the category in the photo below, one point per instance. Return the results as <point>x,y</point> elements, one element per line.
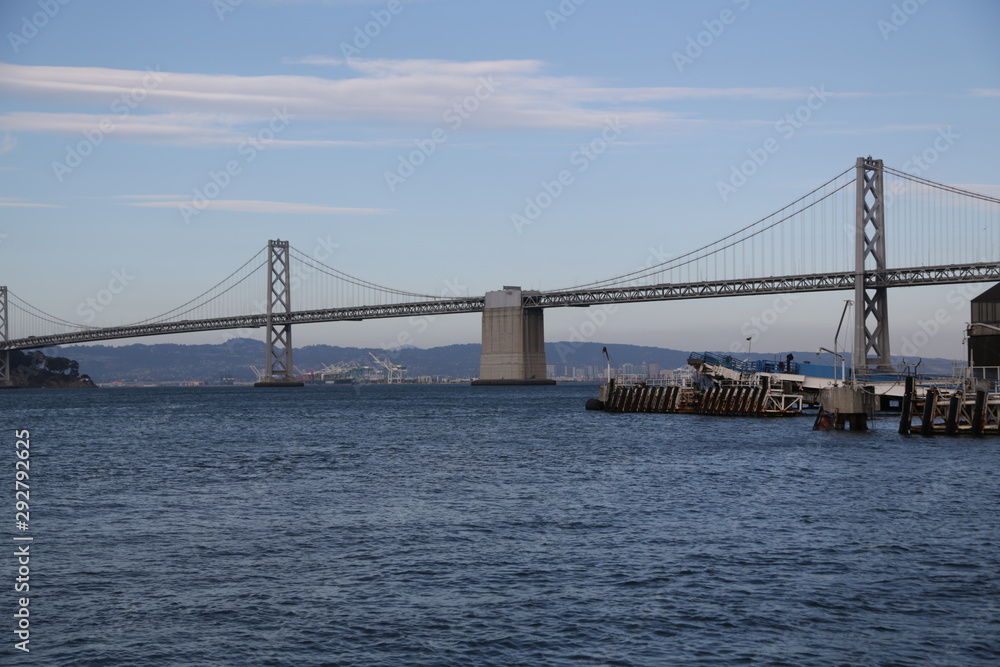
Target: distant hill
<point>208,363</point>
<point>590,354</point>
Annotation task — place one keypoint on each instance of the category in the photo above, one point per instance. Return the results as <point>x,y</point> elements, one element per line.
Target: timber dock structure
<point>969,408</point>
<point>736,399</point>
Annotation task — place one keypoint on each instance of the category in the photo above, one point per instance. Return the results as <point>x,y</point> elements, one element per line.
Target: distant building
<point>984,330</point>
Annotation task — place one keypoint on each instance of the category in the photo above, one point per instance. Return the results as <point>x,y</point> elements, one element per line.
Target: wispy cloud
<point>171,128</point>
<point>168,127</point>
<point>881,129</point>
<point>196,108</point>
<point>151,197</point>
<point>985,92</point>
<point>313,60</point>
<point>321,2</point>
<point>7,144</point>
<point>8,202</point>
<point>250,205</point>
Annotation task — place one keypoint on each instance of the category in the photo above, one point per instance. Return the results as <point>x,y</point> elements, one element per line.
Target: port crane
<point>393,372</point>
<point>345,371</point>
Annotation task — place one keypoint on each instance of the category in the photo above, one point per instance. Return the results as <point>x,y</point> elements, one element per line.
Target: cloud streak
<point>248,205</point>
<point>8,202</point>
<point>198,108</point>
<point>200,128</point>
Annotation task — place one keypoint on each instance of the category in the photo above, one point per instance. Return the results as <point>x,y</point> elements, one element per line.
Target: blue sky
<point>316,122</point>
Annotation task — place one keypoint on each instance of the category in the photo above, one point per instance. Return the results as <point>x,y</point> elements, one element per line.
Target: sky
<point>154,146</point>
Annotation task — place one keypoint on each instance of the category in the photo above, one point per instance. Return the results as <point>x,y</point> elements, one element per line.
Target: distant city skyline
<point>443,145</point>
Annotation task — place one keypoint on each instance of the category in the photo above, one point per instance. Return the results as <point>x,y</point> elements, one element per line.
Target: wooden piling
<point>930,407</point>
<point>977,413</point>
<point>954,407</point>
<point>661,404</point>
<point>906,416</point>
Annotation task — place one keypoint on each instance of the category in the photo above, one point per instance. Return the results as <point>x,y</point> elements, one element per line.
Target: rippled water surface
<point>462,525</point>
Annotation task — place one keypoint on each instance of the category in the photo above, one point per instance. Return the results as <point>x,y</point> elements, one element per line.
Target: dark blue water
<point>452,525</point>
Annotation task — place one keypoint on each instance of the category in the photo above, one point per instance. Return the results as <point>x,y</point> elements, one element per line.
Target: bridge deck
<point>908,277</point>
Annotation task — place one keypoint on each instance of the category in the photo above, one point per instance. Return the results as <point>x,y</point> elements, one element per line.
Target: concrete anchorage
<point>513,341</point>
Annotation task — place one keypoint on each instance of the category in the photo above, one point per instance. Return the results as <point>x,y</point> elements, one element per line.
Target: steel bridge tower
<point>871,314</point>
<point>5,335</point>
<point>278,370</point>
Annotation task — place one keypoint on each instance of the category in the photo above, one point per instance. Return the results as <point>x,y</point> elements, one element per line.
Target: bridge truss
<point>765,257</point>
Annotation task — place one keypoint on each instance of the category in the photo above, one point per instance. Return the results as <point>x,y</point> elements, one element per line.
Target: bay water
<point>458,525</point>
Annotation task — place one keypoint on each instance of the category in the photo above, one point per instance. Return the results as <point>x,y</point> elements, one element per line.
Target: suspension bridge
<point>836,237</point>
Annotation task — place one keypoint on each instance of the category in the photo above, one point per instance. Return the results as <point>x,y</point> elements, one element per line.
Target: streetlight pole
<point>847,304</point>
<point>843,369</point>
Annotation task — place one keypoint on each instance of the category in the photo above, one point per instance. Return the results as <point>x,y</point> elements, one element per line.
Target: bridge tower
<point>513,341</point>
<point>278,370</point>
<point>871,315</point>
<point>5,335</point>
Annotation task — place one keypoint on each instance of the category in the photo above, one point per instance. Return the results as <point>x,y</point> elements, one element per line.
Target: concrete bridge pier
<point>513,341</point>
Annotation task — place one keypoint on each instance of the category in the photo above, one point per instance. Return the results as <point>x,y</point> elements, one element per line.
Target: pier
<point>760,399</point>
<point>972,408</point>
